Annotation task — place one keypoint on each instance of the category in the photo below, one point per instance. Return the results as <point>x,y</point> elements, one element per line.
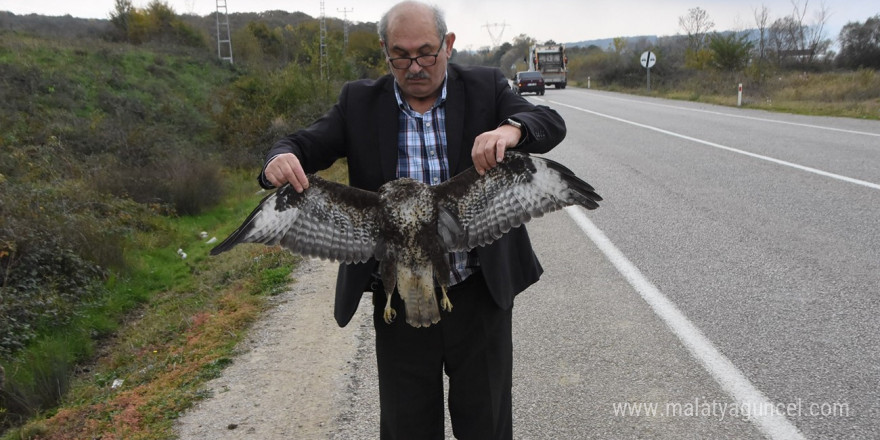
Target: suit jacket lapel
<point>389,123</point>
<point>455,97</point>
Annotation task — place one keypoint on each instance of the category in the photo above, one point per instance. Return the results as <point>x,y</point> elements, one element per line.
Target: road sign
<point>648,59</point>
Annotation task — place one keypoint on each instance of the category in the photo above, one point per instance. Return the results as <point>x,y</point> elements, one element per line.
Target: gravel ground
<point>297,375</point>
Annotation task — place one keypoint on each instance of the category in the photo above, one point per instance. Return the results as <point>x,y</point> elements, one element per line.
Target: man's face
<point>411,36</point>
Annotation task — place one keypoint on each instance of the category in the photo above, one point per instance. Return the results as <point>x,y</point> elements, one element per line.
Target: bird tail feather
<point>416,288</point>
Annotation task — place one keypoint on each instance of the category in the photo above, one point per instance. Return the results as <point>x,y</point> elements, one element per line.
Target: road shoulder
<point>293,371</point>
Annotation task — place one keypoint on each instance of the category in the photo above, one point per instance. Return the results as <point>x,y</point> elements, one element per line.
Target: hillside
<point>604,43</point>
<point>53,27</point>
<point>113,156</point>
<point>73,27</point>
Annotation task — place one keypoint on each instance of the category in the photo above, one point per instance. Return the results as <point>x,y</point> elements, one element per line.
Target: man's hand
<point>285,168</point>
<point>490,146</point>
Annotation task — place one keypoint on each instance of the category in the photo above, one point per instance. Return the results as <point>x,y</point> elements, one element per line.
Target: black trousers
<point>473,344</point>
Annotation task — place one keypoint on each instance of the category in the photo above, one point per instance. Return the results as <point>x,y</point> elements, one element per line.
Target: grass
<point>848,94</point>
<point>192,313</point>
<point>843,94</point>
<point>102,142</point>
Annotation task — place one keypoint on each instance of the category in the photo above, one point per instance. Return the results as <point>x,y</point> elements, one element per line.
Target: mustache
<point>421,75</point>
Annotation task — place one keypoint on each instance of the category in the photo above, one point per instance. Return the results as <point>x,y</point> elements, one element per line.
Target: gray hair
<point>439,21</point>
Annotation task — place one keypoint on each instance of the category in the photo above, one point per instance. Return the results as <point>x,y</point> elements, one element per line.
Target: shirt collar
<point>405,105</point>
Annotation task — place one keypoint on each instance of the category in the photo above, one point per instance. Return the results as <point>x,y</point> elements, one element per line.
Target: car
<point>530,81</point>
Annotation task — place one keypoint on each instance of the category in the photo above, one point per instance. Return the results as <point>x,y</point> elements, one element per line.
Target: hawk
<point>410,227</point>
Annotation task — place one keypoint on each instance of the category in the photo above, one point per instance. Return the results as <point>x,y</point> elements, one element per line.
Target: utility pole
<point>325,67</point>
<point>223,38</point>
<point>344,27</point>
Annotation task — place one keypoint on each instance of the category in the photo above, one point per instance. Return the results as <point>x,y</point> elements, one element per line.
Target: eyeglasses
<point>403,63</point>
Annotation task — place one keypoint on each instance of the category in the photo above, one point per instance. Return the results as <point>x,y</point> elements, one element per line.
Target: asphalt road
<point>760,235</point>
<point>728,287</point>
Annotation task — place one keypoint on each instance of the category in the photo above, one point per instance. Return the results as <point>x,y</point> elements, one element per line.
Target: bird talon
<point>445,303</point>
<point>390,314</point>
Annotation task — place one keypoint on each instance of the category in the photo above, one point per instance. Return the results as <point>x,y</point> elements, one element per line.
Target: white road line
<point>731,149</point>
<point>731,115</point>
<point>771,423</point>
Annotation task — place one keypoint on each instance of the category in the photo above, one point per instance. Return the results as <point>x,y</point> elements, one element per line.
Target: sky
<point>472,20</point>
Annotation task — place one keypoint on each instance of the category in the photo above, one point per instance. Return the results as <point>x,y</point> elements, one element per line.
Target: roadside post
<point>739,95</point>
<point>648,60</point>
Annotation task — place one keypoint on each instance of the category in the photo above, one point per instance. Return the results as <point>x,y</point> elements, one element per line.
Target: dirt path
<point>299,376</point>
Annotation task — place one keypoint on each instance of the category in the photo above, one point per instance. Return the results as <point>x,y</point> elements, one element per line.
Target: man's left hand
<point>490,146</point>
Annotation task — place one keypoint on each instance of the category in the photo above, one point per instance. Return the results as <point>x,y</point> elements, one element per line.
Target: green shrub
<point>193,184</point>
<point>156,22</point>
<point>38,378</point>
<point>43,284</point>
<point>258,109</point>
<point>56,243</point>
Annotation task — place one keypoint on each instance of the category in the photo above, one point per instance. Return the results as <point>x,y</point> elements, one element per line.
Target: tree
<point>516,55</point>
<point>696,25</point>
<point>730,52</point>
<point>120,18</point>
<point>247,48</point>
<point>761,18</point>
<point>364,50</point>
<point>158,22</point>
<point>785,36</point>
<point>523,41</point>
<point>496,55</point>
<point>860,44</point>
<point>270,40</point>
<point>619,44</point>
<point>793,38</point>
<point>815,32</point>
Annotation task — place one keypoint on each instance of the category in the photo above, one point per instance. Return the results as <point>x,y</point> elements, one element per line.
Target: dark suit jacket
<point>363,127</point>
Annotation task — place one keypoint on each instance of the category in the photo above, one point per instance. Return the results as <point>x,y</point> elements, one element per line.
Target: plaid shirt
<point>421,155</point>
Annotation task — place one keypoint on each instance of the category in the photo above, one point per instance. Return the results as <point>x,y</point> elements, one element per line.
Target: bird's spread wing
<point>477,210</point>
<point>328,220</point>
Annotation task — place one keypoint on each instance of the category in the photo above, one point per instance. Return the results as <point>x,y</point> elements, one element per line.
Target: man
<point>431,120</point>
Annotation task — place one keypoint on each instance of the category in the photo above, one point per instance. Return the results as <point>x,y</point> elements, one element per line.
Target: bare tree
<point>696,24</point>
<point>797,31</point>
<point>792,36</point>
<point>762,16</point>
<point>815,32</point>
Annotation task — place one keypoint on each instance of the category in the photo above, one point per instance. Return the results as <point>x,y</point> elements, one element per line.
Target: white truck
<point>550,60</point>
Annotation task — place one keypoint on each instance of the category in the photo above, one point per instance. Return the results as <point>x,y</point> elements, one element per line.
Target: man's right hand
<point>285,168</point>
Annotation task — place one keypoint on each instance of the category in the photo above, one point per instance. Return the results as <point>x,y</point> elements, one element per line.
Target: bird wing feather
<point>328,220</point>
<point>476,210</point>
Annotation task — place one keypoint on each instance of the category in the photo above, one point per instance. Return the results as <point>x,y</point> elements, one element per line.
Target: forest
<point>124,141</point>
